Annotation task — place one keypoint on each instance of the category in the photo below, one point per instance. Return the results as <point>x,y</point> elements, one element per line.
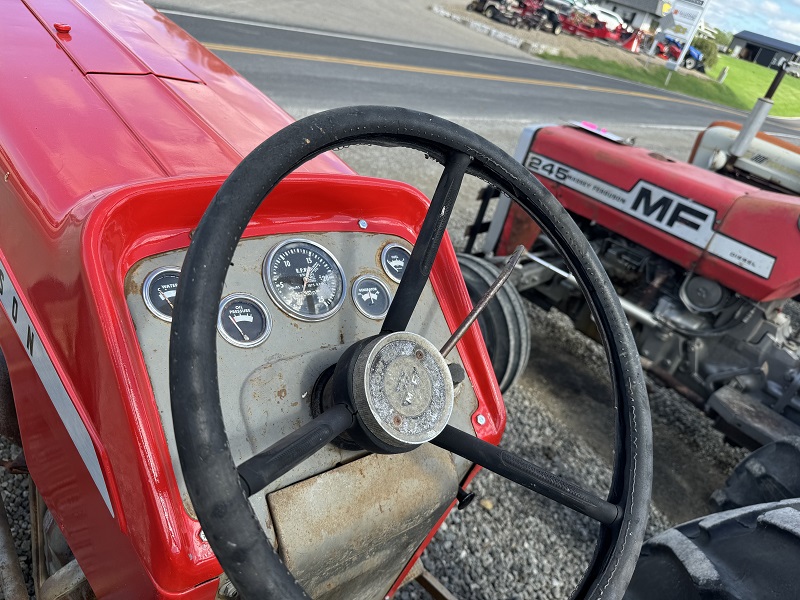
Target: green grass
<point>745,82</point>
<point>750,81</point>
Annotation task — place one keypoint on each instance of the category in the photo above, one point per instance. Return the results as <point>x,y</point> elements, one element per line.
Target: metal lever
<point>505,273</point>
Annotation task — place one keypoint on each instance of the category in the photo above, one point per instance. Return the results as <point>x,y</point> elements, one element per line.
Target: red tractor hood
<point>137,113</point>
<point>724,229</point>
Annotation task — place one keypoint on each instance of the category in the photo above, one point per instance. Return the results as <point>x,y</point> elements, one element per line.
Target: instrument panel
<point>292,304</point>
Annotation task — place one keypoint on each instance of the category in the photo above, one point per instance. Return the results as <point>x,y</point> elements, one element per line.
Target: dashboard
<point>291,305</point>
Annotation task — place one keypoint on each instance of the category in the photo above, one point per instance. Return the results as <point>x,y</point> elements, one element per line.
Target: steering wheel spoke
<point>432,231</point>
<point>525,473</point>
<point>259,471</point>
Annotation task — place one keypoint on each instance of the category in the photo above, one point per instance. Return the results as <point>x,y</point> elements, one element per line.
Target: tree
<point>709,50</point>
<point>723,37</point>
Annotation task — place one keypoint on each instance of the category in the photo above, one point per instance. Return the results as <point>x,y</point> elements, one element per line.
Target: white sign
<point>682,17</point>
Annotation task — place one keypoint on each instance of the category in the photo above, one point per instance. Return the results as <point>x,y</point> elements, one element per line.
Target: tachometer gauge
<point>304,280</point>
<point>243,320</point>
<point>159,291</point>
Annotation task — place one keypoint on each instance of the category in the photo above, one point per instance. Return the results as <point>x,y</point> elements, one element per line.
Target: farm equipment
<point>670,48</point>
<point>236,368</point>
<point>585,23</point>
<point>528,14</point>
<point>702,256</point>
<point>701,261</point>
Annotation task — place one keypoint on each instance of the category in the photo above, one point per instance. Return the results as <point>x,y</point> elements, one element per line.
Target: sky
<point>779,19</point>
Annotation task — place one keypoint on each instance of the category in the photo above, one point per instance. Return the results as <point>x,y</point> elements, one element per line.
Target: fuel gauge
<point>159,291</point>
<point>243,320</point>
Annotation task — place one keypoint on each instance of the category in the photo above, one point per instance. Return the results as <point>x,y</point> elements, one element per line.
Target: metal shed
<point>760,49</point>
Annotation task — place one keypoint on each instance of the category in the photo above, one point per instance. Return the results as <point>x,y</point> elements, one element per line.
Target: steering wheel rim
<point>228,520</point>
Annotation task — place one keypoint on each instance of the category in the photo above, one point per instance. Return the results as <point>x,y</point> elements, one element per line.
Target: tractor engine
<point>701,337</point>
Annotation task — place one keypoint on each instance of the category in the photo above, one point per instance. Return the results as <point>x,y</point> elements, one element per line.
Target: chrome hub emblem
<point>403,389</point>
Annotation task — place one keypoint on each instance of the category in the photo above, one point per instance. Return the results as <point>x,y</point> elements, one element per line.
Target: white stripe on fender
<point>30,338</point>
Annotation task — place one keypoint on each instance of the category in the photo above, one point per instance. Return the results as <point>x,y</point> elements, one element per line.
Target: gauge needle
<point>235,324</point>
<point>165,299</point>
<point>305,279</point>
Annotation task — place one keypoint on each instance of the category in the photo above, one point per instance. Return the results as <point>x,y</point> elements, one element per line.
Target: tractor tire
<point>768,474</point>
<point>742,554</point>
<point>557,29</point>
<point>690,63</point>
<point>490,12</point>
<point>504,322</point>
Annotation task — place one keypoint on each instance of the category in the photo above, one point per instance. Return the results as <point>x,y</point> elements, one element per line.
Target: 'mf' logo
<point>669,210</point>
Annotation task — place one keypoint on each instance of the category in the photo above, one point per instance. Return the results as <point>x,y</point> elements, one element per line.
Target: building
<point>760,49</point>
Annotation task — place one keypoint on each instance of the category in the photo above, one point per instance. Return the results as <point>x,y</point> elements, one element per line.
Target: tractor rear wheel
<point>739,554</point>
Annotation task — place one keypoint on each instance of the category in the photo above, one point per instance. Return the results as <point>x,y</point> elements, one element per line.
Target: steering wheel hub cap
<point>403,390</point>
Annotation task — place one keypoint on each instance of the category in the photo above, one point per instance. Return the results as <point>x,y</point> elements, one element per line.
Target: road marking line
<point>453,73</point>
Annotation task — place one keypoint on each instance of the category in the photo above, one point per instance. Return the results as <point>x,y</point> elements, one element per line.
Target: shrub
<point>709,50</point>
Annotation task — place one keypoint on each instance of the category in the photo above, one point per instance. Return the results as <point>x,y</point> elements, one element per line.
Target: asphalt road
<point>304,72</point>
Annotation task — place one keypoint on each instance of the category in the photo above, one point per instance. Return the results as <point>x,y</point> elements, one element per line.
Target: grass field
<point>745,82</point>
<point>750,81</point>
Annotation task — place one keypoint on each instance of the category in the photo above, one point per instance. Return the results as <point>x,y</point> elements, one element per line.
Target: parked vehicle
<point>226,356</point>
<point>593,24</point>
<point>703,258</point>
<point>671,48</point>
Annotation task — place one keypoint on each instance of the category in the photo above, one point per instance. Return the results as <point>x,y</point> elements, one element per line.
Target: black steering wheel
<point>219,490</point>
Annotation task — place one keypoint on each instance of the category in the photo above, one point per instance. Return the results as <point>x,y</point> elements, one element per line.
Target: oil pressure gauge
<point>304,280</point>
<point>243,320</point>
<point>159,291</point>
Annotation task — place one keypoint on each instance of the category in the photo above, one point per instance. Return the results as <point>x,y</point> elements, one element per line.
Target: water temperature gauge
<point>243,320</point>
<point>159,291</point>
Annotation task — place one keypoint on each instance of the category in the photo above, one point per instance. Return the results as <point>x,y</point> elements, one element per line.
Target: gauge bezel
<point>386,249</point>
<point>267,319</point>
<point>148,281</point>
<point>275,296</point>
<point>382,285</point>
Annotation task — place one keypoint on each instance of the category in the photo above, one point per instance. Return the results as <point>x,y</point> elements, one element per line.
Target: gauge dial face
<point>371,297</point>
<point>159,291</point>
<point>394,260</point>
<point>243,320</point>
<point>304,280</point>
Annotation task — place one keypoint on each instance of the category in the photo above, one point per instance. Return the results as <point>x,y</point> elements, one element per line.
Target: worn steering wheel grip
<point>211,476</point>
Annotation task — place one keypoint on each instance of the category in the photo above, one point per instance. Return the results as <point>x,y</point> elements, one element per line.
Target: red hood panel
<point>716,226</point>
<point>97,30</point>
<point>122,128</point>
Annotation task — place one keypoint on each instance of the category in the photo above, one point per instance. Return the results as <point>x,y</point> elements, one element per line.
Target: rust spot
<point>341,337</point>
<point>295,404</point>
<point>281,393</point>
